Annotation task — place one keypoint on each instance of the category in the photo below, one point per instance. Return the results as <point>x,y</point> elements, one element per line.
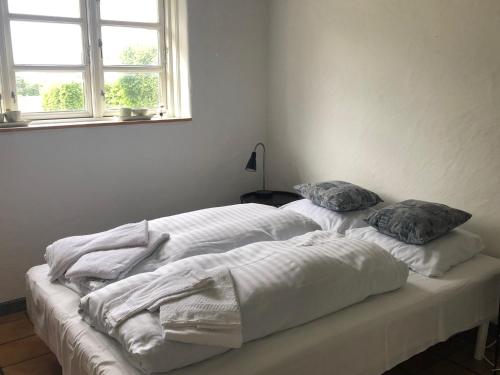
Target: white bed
<point>385,329</point>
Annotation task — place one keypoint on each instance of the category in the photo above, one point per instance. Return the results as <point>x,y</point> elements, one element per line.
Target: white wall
<point>402,97</point>
<point>55,183</point>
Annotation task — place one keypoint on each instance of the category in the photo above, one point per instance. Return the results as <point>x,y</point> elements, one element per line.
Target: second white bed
<point>386,329</point>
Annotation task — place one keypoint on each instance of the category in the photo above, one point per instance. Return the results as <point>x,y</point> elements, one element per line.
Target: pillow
<point>417,222</point>
<point>433,259</point>
<point>338,195</point>
<point>327,219</point>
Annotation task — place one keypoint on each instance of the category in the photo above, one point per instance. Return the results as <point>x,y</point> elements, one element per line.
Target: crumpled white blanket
<point>62,254</point>
<point>278,285</point>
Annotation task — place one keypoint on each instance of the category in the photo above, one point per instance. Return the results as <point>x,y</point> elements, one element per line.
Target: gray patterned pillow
<point>417,222</point>
<point>338,195</point>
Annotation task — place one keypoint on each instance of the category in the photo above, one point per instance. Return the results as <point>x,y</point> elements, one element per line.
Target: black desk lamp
<point>252,167</point>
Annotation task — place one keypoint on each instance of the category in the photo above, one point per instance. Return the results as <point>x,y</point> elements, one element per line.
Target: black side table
<point>276,199</point>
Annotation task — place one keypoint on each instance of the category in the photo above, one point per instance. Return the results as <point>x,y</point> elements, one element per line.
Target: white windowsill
<point>90,122</point>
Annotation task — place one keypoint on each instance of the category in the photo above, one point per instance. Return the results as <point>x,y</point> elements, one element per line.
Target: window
<point>87,58</point>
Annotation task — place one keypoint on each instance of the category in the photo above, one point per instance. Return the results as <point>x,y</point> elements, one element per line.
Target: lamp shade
<point>252,163</point>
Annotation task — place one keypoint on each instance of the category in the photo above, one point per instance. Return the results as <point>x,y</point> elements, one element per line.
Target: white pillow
<point>328,219</point>
<point>434,258</point>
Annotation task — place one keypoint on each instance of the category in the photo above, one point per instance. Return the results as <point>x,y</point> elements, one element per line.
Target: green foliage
<point>27,89</point>
<point>114,95</point>
<point>134,89</point>
<point>139,56</point>
<point>63,97</point>
<point>130,90</point>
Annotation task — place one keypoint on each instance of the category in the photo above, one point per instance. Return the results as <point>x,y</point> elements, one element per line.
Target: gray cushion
<point>338,195</point>
<point>417,222</point>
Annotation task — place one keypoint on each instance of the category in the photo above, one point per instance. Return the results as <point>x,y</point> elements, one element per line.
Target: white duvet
<point>213,230</point>
<point>279,285</point>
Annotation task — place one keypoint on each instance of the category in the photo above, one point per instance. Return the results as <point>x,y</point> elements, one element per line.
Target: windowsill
<point>57,124</point>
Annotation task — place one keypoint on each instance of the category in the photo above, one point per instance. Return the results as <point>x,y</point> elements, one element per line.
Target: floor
<point>22,352</point>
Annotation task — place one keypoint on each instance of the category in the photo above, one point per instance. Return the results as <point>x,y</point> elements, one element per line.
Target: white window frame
<point>173,76</point>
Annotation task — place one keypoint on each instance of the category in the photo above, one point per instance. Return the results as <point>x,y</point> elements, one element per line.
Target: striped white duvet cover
<point>214,230</point>
<point>279,285</point>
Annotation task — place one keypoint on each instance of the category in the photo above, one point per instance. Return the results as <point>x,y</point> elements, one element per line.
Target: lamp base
<point>264,193</point>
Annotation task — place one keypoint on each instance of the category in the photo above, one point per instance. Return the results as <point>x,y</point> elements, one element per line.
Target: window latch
<point>99,43</point>
<point>103,94</point>
<point>13,96</point>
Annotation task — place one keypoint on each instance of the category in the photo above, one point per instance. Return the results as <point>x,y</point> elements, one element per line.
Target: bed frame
<point>466,297</point>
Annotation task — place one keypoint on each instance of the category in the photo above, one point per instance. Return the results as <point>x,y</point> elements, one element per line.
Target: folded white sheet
<point>209,317</point>
<point>63,253</point>
<point>279,285</point>
<point>113,264</point>
<point>150,296</point>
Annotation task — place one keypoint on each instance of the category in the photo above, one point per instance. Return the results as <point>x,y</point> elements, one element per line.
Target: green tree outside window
<point>27,89</point>
<point>130,90</point>
<point>63,97</point>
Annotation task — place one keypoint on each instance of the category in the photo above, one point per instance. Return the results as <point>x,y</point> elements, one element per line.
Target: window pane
<point>129,46</point>
<point>130,10</point>
<point>50,91</point>
<point>135,90</point>
<point>61,8</point>
<point>46,43</point>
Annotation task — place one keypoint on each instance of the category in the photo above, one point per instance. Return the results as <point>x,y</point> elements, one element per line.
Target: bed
<point>385,330</point>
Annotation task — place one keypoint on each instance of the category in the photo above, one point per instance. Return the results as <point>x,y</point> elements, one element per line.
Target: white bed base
<point>388,329</point>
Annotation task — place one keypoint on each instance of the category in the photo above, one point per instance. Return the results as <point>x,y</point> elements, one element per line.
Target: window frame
<point>92,67</point>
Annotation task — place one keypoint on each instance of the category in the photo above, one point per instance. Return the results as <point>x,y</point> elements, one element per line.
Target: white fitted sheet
<point>384,330</point>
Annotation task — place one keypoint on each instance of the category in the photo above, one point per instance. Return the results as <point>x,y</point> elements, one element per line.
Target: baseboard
<point>12,306</point>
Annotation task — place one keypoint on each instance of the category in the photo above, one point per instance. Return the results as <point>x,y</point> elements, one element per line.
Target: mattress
<point>387,329</point>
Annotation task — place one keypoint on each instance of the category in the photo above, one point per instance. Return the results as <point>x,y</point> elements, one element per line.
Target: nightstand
<point>276,199</point>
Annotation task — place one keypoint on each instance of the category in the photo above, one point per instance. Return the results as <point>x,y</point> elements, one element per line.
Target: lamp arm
<point>263,163</point>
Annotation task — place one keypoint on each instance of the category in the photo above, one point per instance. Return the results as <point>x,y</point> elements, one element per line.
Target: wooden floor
<point>22,352</point>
